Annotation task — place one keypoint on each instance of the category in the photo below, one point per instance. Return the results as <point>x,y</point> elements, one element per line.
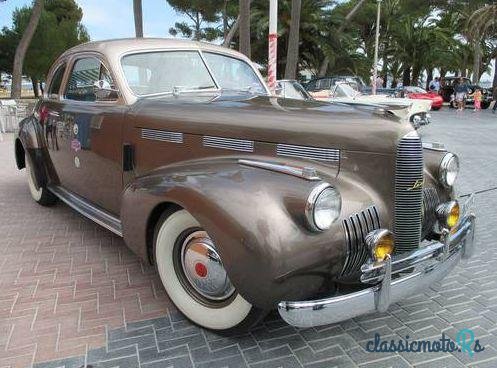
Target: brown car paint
<point>255,216</point>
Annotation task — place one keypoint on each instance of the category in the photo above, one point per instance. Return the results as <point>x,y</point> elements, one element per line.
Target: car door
<point>90,130</point>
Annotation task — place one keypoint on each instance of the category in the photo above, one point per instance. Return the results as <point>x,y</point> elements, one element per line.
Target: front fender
<point>256,219</point>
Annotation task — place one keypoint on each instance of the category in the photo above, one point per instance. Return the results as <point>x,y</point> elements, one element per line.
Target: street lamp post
<point>376,45</point>
<point>273,44</point>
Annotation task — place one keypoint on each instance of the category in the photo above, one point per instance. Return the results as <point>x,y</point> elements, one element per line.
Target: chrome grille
<point>162,135</point>
<point>408,193</point>
<point>356,227</point>
<point>430,202</point>
<point>228,143</point>
<point>312,153</point>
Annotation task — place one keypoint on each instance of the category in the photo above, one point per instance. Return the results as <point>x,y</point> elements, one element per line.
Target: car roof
<point>115,47</point>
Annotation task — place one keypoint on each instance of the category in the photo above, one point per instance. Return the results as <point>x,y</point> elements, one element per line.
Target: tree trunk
<point>34,83</point>
<point>494,84</point>
<point>324,65</point>
<point>292,55</point>
<point>225,19</point>
<point>476,63</point>
<point>406,76</point>
<point>245,27</point>
<point>138,12</point>
<point>429,77</point>
<point>231,33</point>
<point>22,48</point>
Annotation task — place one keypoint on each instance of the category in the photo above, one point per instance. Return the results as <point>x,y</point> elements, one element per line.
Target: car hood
<point>274,120</point>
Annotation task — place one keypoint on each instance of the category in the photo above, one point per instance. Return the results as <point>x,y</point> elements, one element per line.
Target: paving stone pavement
<point>72,295</point>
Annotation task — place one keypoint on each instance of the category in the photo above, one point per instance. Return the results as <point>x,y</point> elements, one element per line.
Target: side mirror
<point>104,91</point>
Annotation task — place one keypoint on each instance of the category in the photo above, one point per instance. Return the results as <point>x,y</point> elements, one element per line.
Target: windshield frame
<point>218,88</point>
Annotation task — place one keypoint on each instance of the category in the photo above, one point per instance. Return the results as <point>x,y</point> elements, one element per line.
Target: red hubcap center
<point>200,269</point>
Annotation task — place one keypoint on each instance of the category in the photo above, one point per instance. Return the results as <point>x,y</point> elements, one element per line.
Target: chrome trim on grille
<point>356,227</point>
<point>408,193</point>
<point>312,153</point>
<point>162,135</point>
<point>431,200</point>
<point>228,143</point>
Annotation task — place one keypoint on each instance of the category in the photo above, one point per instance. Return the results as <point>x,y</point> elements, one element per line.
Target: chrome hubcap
<point>203,267</point>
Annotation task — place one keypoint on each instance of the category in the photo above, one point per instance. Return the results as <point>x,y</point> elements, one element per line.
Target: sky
<point>106,19</point>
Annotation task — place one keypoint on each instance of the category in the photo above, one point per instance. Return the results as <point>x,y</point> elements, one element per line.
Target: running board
<point>96,214</point>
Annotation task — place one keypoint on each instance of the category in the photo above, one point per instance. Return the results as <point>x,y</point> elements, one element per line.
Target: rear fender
<point>256,219</point>
<point>30,143</point>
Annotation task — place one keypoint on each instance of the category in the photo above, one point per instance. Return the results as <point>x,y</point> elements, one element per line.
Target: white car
<point>416,110</point>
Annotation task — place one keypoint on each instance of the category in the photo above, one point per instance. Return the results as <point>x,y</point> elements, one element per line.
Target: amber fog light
<point>448,214</point>
<point>380,244</point>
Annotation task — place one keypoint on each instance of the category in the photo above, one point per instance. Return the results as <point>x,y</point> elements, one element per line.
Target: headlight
<point>448,170</point>
<point>380,244</point>
<point>448,214</point>
<point>323,207</point>
<point>416,119</point>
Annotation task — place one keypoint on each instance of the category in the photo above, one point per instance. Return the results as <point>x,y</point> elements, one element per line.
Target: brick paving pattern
<point>72,295</point>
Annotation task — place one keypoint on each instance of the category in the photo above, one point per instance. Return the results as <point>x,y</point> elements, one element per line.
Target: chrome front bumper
<point>394,279</point>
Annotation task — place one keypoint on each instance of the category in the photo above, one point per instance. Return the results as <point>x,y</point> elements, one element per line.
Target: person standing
<point>461,90</point>
<point>478,97</point>
<point>434,85</point>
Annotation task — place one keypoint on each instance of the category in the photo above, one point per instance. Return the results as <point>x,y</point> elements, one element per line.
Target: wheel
<point>485,105</point>
<point>193,275</point>
<point>41,195</point>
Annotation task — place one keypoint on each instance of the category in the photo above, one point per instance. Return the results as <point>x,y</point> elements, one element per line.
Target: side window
<point>82,82</point>
<point>53,90</point>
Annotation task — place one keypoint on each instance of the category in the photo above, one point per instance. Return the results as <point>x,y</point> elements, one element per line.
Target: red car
<point>420,93</point>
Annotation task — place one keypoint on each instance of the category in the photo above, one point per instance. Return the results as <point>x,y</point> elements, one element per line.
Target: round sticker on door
<point>75,129</point>
<point>76,161</point>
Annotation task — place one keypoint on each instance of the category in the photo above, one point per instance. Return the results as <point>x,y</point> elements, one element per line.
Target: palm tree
<point>22,48</point>
<point>138,12</point>
<point>484,21</point>
<point>244,26</point>
<point>292,55</point>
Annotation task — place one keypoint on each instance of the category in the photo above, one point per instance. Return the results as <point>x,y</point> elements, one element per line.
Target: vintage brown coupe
<point>244,202</point>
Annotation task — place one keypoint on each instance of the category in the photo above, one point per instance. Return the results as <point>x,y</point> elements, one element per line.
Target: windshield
<point>412,89</point>
<point>175,71</point>
<point>233,73</point>
<point>293,90</point>
<point>345,90</point>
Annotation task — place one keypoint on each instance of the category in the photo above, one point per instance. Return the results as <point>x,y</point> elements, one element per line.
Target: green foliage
<point>202,14</point>
<point>59,29</point>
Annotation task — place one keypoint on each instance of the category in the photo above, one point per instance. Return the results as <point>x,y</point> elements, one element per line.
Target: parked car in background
<point>326,83</point>
<point>447,91</point>
<point>291,89</point>
<point>245,202</point>
<point>415,111</point>
<point>419,93</point>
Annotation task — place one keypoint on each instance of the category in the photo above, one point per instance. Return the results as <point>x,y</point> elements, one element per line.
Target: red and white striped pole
<point>273,45</point>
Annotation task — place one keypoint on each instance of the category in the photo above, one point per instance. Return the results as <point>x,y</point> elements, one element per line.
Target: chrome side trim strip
<point>228,143</point>
<point>311,153</point>
<point>98,215</point>
<point>161,135</point>
<point>434,146</point>
<point>307,173</point>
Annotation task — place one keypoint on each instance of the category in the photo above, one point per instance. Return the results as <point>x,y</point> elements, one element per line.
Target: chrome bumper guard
<point>394,279</point>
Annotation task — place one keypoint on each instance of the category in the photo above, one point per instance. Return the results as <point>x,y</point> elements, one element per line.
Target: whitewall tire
<point>194,278</point>
<point>40,195</point>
